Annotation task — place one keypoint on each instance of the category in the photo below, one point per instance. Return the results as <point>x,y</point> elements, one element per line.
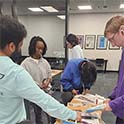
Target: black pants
<point>27,108</point>
<point>66,97</point>
<point>25,122</point>
<point>58,96</point>
<point>119,121</point>
<point>38,112</point>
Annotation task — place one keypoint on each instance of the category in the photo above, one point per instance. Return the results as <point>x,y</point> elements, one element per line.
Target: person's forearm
<point>55,109</point>
<point>50,105</point>
<point>49,80</point>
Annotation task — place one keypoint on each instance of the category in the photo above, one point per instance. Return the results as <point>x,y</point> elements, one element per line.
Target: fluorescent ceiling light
<point>121,6</point>
<point>36,9</point>
<point>61,17</point>
<point>85,7</point>
<point>49,8</point>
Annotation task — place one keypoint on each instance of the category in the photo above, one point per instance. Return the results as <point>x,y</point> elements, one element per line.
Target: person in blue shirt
<point>78,77</point>
<point>16,84</point>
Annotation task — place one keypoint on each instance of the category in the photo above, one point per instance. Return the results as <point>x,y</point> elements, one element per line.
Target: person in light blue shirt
<point>16,84</point>
<point>78,76</point>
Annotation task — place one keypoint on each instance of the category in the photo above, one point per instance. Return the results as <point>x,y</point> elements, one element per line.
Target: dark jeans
<point>38,112</point>
<point>53,120</point>
<point>119,121</point>
<point>67,97</point>
<point>27,108</point>
<point>25,122</point>
<point>57,95</point>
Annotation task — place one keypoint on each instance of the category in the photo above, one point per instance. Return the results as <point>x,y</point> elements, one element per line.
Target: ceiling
<point>99,6</point>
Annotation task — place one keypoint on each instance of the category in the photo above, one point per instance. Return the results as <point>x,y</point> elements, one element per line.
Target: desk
<point>56,72</point>
<point>83,102</point>
<point>105,63</point>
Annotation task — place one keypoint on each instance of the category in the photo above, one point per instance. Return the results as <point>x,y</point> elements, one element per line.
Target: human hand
<point>107,107</point>
<point>74,92</point>
<point>44,84</point>
<point>79,118</point>
<point>107,101</point>
<point>86,91</point>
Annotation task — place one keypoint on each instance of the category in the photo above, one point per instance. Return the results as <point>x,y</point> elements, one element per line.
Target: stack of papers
<point>91,99</point>
<point>84,102</point>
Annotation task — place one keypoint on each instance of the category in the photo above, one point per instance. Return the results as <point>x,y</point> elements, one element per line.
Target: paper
<point>84,104</point>
<point>91,99</point>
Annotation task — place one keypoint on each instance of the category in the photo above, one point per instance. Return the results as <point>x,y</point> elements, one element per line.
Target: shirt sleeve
<point>117,106</point>
<point>26,87</point>
<point>66,78</point>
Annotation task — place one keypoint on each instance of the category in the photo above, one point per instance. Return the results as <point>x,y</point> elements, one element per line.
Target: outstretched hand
<point>79,116</point>
<point>107,107</point>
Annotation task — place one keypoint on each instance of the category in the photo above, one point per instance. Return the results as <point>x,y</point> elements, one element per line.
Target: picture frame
<point>113,48</point>
<point>81,40</point>
<point>101,42</point>
<point>90,41</point>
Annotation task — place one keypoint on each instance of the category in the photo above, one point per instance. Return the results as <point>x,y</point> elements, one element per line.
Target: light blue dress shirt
<point>15,85</point>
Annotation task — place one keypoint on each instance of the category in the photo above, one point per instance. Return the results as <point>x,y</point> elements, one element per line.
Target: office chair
<point>100,64</point>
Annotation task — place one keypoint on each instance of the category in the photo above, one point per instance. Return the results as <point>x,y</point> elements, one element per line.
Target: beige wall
<point>94,24</point>
<point>52,30</point>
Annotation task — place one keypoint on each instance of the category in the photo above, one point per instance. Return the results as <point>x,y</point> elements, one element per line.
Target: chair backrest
<point>99,61</point>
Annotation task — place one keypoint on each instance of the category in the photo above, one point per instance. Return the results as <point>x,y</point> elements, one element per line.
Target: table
<point>56,72</point>
<point>81,103</point>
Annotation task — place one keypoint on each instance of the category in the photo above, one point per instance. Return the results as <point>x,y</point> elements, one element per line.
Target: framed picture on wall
<point>101,42</point>
<point>113,48</point>
<point>90,41</point>
<point>81,40</point>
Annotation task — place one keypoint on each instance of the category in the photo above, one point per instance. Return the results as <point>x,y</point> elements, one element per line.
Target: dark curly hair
<point>32,45</point>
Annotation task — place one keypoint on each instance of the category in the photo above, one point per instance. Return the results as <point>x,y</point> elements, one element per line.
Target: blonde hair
<point>114,24</point>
